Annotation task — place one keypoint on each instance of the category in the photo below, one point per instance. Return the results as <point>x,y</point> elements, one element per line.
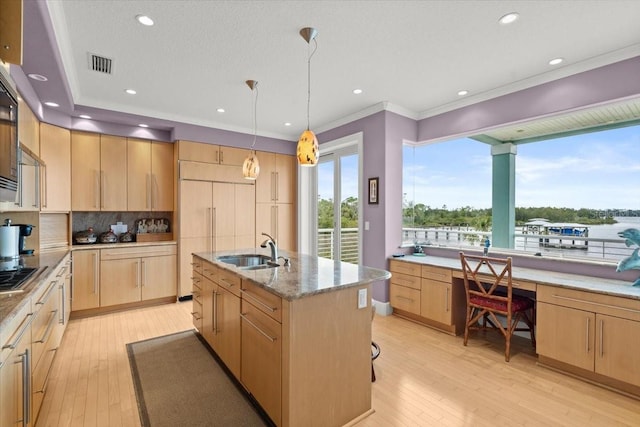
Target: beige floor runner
<point>178,382</point>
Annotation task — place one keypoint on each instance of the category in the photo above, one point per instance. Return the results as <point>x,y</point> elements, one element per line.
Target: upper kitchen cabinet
<point>28,127</point>
<point>276,182</point>
<point>149,175</point>
<point>11,31</point>
<point>99,172</point>
<point>55,151</point>
<point>209,153</point>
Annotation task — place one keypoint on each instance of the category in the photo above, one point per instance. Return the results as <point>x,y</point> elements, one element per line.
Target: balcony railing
<point>465,238</point>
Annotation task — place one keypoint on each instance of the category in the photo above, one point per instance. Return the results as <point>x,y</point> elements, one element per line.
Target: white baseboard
<point>382,308</point>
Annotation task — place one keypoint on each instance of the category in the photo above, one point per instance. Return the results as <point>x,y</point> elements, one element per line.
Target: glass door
<point>339,205</point>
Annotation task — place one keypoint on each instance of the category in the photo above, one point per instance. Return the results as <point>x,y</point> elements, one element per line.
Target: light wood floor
<point>424,378</point>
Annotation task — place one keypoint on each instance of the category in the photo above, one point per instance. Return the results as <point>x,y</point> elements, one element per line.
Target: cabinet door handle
<point>195,315</point>
<point>221,156</point>
<point>215,313</point>
<point>404,298</point>
<point>45,202</point>
<point>263,333</point>
<point>601,338</point>
<point>95,273</point>
<point>587,337</point>
<point>144,273</point>
<point>96,188</point>
<point>47,294</point>
<point>148,191</point>
<point>273,186</point>
<point>25,359</point>
<point>446,301</point>
<point>63,304</point>
<point>276,187</point>
<point>102,188</point>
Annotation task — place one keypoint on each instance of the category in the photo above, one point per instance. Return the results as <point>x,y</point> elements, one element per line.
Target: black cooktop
<point>13,279</point>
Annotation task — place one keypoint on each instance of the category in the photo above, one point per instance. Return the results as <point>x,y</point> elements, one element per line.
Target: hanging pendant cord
<point>255,114</point>
<point>309,77</point>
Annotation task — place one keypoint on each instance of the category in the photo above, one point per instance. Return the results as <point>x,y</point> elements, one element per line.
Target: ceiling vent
<point>100,64</point>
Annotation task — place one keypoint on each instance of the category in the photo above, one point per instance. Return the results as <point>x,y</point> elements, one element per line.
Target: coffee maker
<point>25,231</point>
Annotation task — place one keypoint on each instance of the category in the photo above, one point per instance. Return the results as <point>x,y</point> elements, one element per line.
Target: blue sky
<point>596,170</point>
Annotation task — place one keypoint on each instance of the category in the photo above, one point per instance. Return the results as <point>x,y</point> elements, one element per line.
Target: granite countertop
<point>307,275</point>
<point>46,262</point>
<point>612,287</point>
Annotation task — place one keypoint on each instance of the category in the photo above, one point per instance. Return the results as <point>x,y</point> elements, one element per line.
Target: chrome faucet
<point>274,247</point>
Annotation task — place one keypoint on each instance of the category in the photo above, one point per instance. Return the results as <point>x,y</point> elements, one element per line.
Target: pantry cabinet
<point>99,171</point>
<point>137,274</point>
<point>55,151</point>
<point>275,199</point>
<point>149,176</point>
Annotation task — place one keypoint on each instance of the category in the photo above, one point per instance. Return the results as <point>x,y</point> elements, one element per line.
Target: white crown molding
<point>375,108</point>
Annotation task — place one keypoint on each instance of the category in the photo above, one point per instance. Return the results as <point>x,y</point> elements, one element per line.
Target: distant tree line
<point>421,215</point>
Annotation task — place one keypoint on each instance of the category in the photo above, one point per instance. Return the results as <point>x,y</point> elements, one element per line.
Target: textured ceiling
<point>414,55</point>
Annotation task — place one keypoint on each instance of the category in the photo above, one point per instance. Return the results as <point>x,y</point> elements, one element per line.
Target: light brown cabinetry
<point>86,279</point>
<point>149,175</point>
<point>210,153</point>
<point>11,31</point>
<point>55,151</point>
<point>427,294</point>
<point>261,365</point>
<point>28,127</point>
<point>15,370</point>
<point>214,216</point>
<point>137,274</point>
<point>221,315</point>
<point>197,293</point>
<point>276,199</point>
<point>99,171</point>
<point>591,332</point>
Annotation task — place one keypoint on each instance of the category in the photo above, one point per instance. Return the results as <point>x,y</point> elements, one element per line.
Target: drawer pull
<point>195,315</point>
<point>45,297</point>
<point>601,339</point>
<point>587,337</point>
<point>267,336</point>
<point>404,298</point>
<point>251,297</point>
<point>229,285</point>
<point>47,332</point>
<point>27,323</point>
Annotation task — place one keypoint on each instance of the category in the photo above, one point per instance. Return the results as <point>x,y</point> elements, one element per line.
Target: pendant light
<point>307,150</point>
<point>251,166</point>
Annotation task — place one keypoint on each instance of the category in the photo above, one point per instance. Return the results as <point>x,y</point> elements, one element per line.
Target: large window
<point>573,195</point>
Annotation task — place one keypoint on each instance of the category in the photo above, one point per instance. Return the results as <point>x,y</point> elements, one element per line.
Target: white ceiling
<point>412,55</point>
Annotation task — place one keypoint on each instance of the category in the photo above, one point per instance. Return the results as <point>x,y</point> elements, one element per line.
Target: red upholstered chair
<point>489,291</point>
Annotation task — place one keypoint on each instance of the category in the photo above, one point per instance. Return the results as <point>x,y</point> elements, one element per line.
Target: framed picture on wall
<point>373,191</point>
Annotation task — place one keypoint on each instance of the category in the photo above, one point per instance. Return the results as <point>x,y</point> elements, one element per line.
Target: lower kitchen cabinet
<point>426,294</point>
<point>137,274</point>
<point>590,334</point>
<point>86,279</point>
<point>15,370</point>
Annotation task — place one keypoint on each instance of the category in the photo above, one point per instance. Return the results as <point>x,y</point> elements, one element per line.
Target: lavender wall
<point>600,85</point>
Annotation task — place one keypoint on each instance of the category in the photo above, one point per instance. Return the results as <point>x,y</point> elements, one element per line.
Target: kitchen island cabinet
<point>305,337</point>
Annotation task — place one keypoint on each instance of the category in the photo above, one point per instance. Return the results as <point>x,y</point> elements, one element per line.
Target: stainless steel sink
<point>269,264</point>
<point>248,260</point>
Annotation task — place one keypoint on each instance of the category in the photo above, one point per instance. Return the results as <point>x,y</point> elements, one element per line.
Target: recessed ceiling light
<point>51,104</point>
<point>38,77</point>
<point>287,124</point>
<point>84,116</point>
<point>144,20</point>
<point>357,91</point>
<point>555,61</point>
<point>463,92</point>
<point>130,91</point>
<point>220,110</point>
<point>142,125</point>
<point>509,18</point>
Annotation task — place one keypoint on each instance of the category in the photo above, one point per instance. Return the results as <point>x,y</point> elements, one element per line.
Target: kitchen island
<point>297,337</point>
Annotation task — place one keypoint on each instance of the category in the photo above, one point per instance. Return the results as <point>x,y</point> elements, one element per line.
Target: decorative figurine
<point>632,262</point>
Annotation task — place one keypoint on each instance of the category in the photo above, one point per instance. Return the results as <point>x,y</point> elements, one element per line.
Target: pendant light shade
<point>251,166</point>
<point>307,150</point>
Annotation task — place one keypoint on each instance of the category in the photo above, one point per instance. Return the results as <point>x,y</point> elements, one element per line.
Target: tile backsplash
<point>101,221</point>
